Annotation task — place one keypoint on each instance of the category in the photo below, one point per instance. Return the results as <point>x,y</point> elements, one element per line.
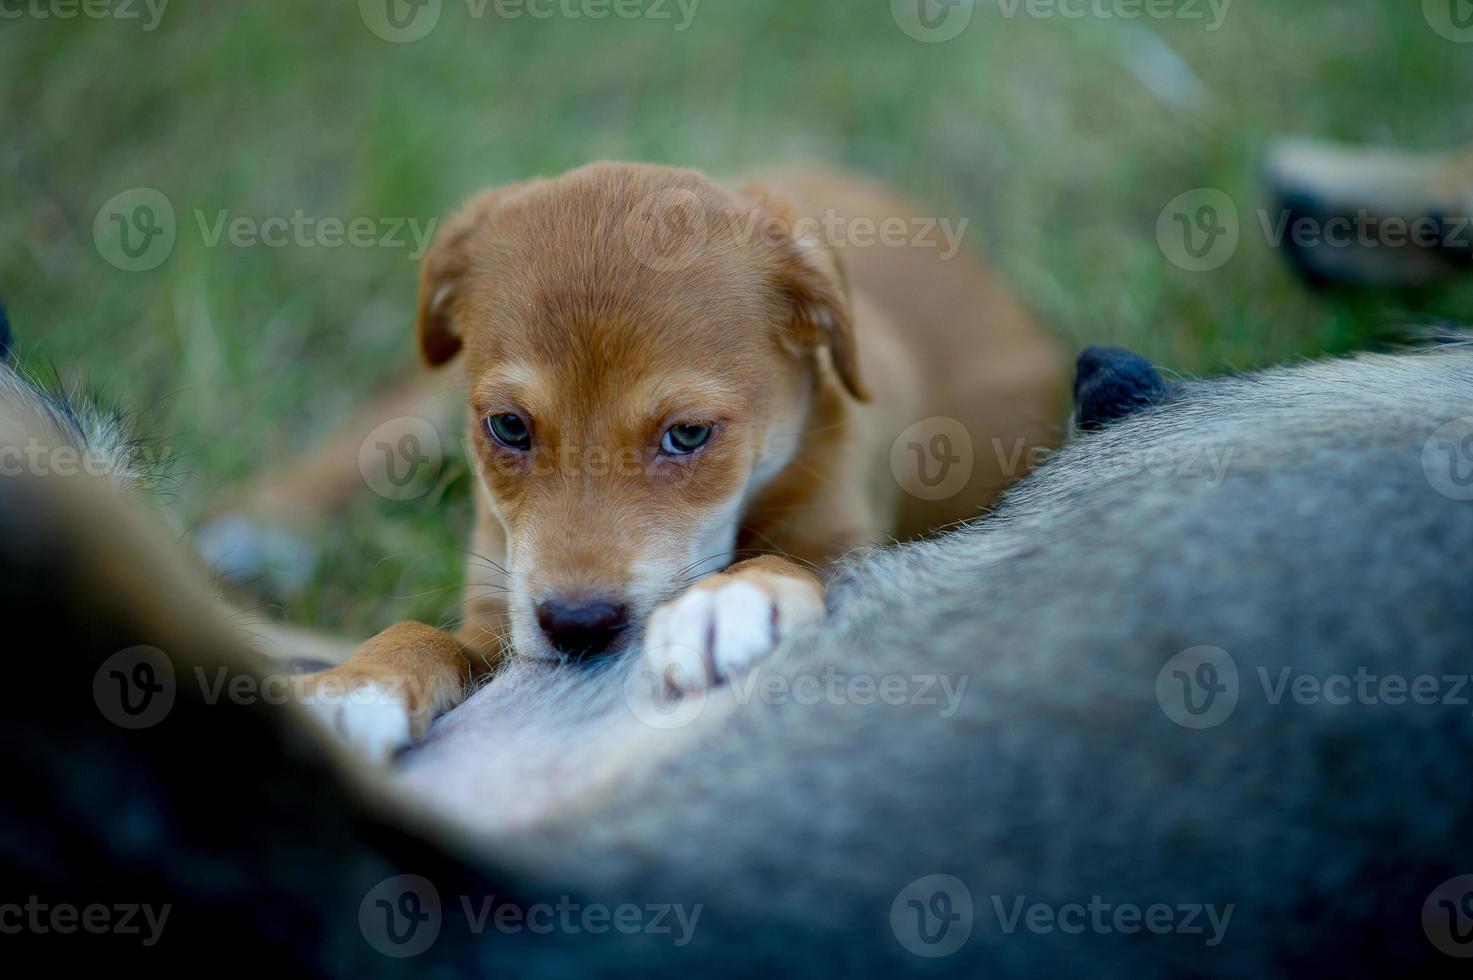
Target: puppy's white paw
<point>370,718</point>
<point>719,628</point>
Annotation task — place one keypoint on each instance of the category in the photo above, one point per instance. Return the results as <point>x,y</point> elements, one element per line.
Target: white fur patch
<point>561,738</point>
<point>706,636</point>
<point>369,718</point>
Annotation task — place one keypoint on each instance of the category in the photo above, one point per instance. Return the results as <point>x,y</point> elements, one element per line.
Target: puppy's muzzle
<point>582,628</point>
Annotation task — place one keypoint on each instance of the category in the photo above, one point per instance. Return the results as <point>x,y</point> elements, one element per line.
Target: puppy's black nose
<point>581,629</point>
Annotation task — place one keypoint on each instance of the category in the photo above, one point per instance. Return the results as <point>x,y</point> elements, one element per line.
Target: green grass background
<point>1060,139</point>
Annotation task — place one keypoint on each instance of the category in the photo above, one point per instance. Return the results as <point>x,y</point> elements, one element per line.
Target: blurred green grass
<point>1060,139</point>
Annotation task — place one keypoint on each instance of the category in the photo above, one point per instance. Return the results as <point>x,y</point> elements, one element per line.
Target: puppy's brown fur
<point>608,304</point>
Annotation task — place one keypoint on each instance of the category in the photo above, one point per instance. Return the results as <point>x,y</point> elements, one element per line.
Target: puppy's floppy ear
<point>443,271</point>
<point>812,278</point>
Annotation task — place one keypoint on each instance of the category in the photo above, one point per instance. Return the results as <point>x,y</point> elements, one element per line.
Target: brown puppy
<point>686,402</point>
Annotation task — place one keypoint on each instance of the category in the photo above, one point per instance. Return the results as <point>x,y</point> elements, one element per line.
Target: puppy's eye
<point>510,431</point>
<point>684,438</point>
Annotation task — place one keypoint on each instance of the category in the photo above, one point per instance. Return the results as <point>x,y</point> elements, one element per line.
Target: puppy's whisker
<point>489,563</point>
<point>429,592</point>
<point>741,554</point>
<point>695,564</point>
<point>779,552</point>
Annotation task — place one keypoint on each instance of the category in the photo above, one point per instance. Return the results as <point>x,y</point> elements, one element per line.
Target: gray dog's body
<point>1286,519</point>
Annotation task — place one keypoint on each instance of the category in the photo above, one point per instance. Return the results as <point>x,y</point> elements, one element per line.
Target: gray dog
<point>1190,702</point>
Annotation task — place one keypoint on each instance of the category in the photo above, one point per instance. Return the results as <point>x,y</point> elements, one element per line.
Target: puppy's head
<point>641,347</point>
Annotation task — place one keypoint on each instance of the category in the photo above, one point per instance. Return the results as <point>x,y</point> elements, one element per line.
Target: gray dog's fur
<point>1284,517</point>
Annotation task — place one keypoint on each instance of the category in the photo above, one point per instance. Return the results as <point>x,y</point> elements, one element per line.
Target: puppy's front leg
<point>385,696</point>
<point>726,622</point>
